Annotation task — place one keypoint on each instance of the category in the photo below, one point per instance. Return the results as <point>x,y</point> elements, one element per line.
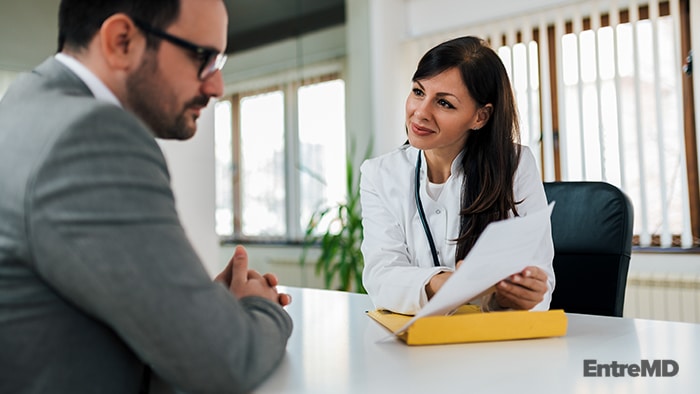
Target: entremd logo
<point>663,368</point>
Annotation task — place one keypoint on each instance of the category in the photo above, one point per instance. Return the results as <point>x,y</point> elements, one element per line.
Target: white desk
<point>336,348</point>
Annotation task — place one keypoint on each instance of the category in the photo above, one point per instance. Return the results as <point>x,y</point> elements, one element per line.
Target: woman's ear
<point>121,42</point>
<point>483,115</point>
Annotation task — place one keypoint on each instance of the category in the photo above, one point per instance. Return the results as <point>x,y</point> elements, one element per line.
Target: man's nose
<point>213,86</point>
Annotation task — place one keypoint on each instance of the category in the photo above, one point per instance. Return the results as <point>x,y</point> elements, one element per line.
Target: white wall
<point>28,31</point>
<point>191,165</point>
<point>285,59</point>
<point>359,101</point>
<point>389,85</point>
<point>426,17</point>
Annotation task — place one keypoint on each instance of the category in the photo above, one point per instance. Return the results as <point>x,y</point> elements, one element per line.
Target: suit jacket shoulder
<point>94,261</point>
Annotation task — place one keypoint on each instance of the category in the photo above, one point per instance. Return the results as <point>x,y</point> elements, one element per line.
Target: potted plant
<point>340,238</point>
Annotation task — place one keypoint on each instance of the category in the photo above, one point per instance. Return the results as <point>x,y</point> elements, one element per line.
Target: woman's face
<point>440,112</point>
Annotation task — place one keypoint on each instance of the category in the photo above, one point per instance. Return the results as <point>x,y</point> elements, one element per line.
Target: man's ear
<point>483,115</point>
<point>122,42</point>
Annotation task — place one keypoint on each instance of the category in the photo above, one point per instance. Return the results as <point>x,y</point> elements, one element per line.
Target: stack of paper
<point>504,248</point>
<point>474,326</point>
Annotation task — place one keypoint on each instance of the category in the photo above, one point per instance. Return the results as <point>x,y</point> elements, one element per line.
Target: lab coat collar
<point>455,170</point>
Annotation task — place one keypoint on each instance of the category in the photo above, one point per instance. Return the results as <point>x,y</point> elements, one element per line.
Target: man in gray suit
<point>100,290</point>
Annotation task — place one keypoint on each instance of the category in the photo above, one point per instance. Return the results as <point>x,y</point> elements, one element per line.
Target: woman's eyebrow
<point>439,94</point>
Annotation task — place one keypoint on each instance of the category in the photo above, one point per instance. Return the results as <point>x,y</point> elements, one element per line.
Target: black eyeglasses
<point>212,59</point>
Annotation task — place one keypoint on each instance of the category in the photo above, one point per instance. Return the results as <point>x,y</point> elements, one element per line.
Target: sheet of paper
<point>503,249</point>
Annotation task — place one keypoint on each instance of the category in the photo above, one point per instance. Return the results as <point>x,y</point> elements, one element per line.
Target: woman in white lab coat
<point>461,168</point>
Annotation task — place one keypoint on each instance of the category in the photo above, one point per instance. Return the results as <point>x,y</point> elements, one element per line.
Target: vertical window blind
<point>599,91</point>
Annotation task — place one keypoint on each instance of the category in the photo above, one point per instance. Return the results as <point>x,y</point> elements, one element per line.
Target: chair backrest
<point>592,233</point>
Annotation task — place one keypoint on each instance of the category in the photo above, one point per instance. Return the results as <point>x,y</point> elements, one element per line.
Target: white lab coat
<point>398,261</point>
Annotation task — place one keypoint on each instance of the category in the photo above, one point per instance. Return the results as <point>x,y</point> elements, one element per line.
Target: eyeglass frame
<point>213,59</point>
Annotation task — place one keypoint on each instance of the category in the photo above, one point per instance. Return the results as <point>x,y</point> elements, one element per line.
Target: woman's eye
<point>444,103</point>
<point>417,92</point>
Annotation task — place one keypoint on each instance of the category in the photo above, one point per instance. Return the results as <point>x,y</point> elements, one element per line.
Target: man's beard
<point>147,97</point>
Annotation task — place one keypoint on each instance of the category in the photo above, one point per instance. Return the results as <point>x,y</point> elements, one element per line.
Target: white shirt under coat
<point>398,261</point>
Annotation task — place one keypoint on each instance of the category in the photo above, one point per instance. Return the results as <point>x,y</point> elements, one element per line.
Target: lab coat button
<point>437,211</point>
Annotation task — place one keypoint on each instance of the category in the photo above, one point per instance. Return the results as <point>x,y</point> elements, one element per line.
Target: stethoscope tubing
<point>421,213</point>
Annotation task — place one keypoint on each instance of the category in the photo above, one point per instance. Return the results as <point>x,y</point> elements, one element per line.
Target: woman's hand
<point>438,280</point>
<point>436,283</point>
<point>523,290</point>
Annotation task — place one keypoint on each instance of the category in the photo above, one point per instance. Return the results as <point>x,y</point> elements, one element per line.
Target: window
<point>280,156</point>
<point>622,106</point>
<point>601,97</point>
<point>631,135</point>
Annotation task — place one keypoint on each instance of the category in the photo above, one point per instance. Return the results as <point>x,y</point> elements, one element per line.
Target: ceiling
<point>258,22</point>
<point>28,28</point>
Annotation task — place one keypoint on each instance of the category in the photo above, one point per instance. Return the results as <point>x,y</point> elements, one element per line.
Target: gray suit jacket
<point>97,277</point>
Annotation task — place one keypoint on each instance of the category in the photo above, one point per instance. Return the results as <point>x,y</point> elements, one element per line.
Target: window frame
<point>289,88</point>
<point>689,130</point>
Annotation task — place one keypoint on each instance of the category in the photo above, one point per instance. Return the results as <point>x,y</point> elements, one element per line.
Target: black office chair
<point>592,233</point>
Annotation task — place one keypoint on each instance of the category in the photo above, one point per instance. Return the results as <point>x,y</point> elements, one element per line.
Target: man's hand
<point>243,282</point>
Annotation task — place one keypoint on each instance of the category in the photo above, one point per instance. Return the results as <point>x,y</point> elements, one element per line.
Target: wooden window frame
<point>689,129</point>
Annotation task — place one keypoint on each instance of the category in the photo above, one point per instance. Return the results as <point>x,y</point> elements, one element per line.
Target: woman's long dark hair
<point>491,153</point>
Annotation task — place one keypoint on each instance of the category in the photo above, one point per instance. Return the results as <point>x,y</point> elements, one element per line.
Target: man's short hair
<point>79,20</point>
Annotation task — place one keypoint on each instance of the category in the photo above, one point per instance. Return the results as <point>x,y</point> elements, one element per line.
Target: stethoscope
<point>421,213</point>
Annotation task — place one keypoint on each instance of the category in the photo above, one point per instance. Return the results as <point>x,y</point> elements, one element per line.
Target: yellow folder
<point>469,324</point>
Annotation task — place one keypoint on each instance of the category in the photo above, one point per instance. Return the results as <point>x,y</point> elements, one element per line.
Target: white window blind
<point>619,104</point>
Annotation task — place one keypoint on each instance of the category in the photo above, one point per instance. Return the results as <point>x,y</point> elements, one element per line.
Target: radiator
<point>662,296</point>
